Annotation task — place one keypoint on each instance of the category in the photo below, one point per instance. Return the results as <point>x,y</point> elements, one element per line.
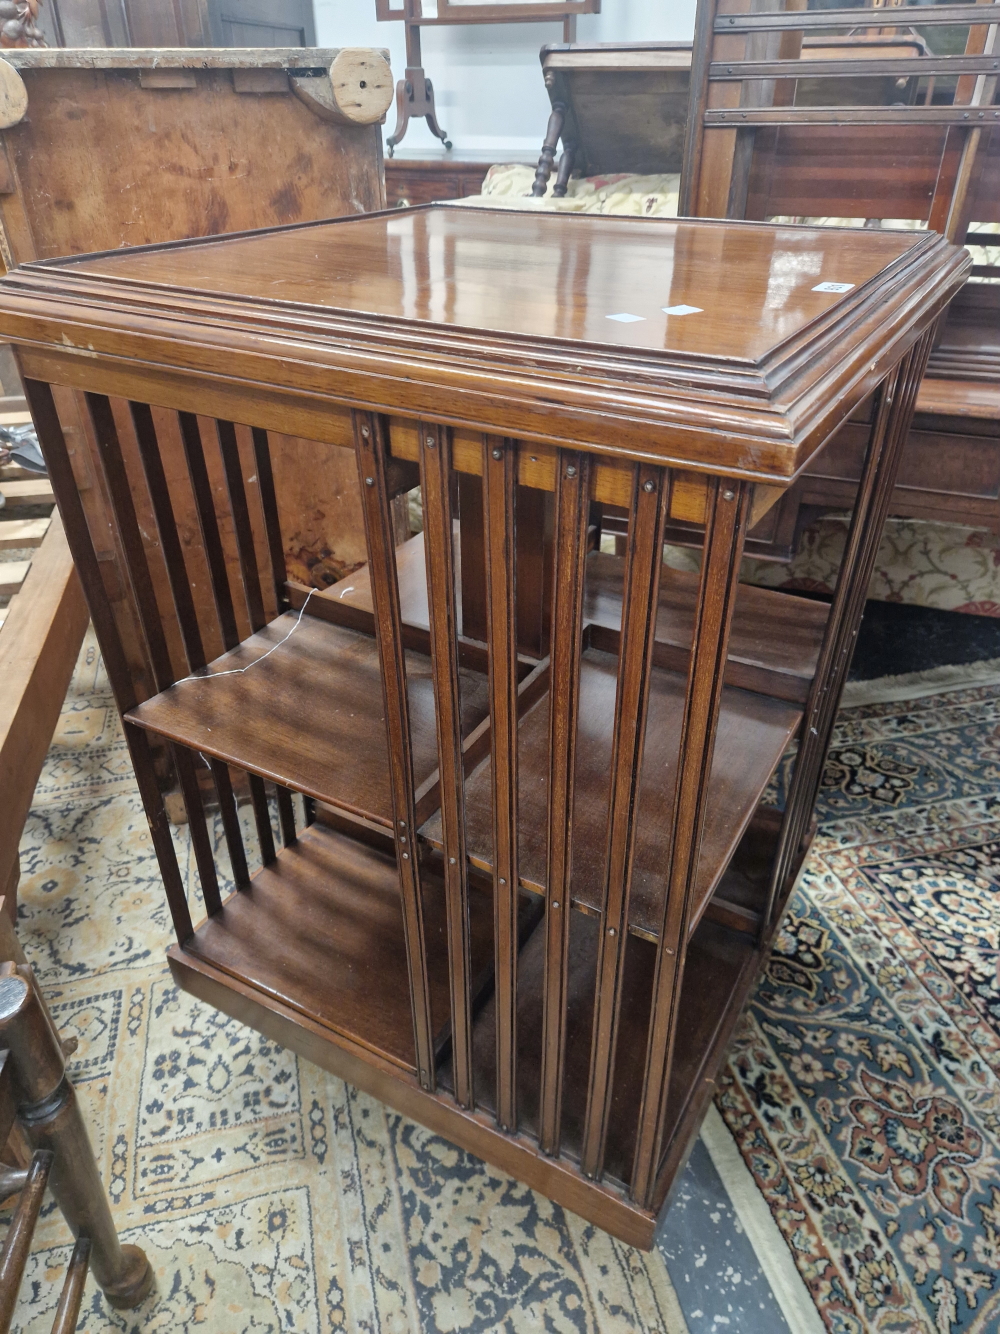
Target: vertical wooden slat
<point>533,560</point>
<point>640,601</point>
<point>262,818</point>
<point>269,506</point>
<point>230,451</point>
<point>170,544</point>
<point>728,509</point>
<point>50,435</point>
<point>229,815</point>
<point>201,841</point>
<point>694,133</point>
<point>208,522</point>
<point>500,492</point>
<point>371,445</point>
<point>890,428</point>
<point>435,481</point>
<point>286,816</point>
<point>572,511</point>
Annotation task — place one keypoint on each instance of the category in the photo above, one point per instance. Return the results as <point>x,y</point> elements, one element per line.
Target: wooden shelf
<point>321,930</point>
<point>753,732</point>
<point>775,640</point>
<point>310,716</point>
<point>715,979</point>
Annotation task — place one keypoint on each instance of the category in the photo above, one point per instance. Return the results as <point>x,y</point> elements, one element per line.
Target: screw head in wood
<point>365,432</point>
<point>451,861</point>
<point>728,495</point>
<point>402,824</point>
<point>402,838</point>
<point>369,481</point>
<point>571,471</point>
<point>406,856</point>
<point>555,903</point>
<point>611,930</point>
<point>649,486</point>
<point>430,442</point>
<point>502,881</point>
<point>498,453</point>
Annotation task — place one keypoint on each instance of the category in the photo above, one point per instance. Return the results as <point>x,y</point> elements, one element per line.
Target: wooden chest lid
<point>736,346</point>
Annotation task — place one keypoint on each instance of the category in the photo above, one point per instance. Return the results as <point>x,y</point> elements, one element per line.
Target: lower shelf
<point>321,930</point>
<point>716,982</point>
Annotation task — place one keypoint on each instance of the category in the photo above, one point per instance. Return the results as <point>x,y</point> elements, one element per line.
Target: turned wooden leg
<point>50,1117</point>
<point>431,117</point>
<point>402,116</point>
<point>565,167</point>
<point>547,158</point>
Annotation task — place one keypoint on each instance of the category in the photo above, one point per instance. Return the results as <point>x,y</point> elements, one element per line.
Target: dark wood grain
<point>333,749</point>
<point>49,428</point>
<point>571,523</point>
<point>371,449</point>
<point>501,497</point>
<point>236,488</point>
<point>329,908</point>
<point>435,483</point>
<point>208,522</point>
<point>640,604</point>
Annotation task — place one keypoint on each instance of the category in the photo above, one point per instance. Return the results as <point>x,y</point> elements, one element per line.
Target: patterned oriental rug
<point>857,1121</point>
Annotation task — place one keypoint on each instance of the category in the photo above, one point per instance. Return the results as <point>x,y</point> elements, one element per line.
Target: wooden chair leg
<point>548,154</point>
<point>50,1116</point>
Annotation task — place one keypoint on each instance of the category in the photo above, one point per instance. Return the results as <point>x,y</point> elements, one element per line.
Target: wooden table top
<point>606,283</point>
<point>738,346</point>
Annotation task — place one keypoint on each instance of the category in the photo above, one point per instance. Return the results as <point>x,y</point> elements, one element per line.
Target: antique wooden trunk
<point>525,811</point>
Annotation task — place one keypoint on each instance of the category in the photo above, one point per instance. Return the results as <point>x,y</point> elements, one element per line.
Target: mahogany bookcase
<point>516,845</point>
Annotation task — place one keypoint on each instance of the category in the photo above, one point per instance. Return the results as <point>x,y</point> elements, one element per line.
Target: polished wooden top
<point>736,346</point>
<point>607,282</point>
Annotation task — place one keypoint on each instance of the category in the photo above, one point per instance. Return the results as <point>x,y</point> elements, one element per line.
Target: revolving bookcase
<point>522,813</point>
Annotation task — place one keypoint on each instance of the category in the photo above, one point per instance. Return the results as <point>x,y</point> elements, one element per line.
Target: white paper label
<point>625,318</point>
<point>833,287</point>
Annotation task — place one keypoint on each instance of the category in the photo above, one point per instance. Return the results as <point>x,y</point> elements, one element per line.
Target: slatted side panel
<point>226,482</point>
<point>890,424</point>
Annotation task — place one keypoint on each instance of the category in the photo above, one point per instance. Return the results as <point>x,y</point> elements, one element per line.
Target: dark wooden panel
<point>410,182</point>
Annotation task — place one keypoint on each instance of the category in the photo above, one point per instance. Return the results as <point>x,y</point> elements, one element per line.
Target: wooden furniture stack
<point>763,142</point>
<point>515,864</point>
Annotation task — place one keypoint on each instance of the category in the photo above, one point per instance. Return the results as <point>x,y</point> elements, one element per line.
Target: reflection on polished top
<point>695,288</point>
